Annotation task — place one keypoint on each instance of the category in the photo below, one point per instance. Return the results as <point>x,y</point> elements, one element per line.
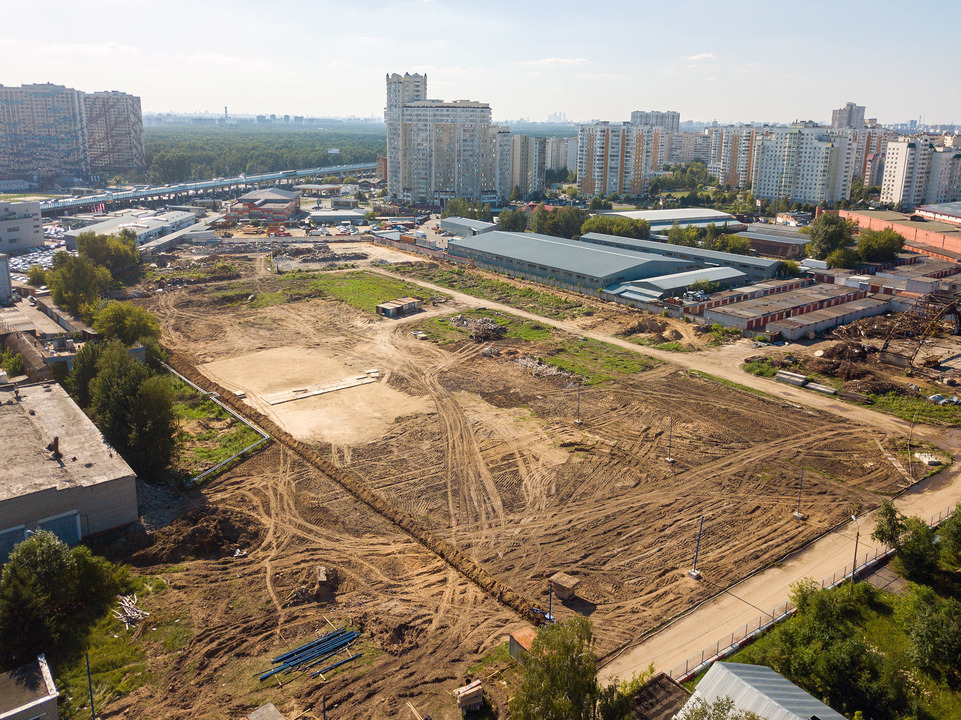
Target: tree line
<point>179,154</point>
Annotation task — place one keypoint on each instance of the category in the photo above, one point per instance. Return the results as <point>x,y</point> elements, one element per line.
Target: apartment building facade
<point>618,158</point>
<point>731,155</point>
<point>919,171</point>
<point>561,153</point>
<point>803,162</point>
<point>50,131</point>
<point>669,120</point>
<point>114,131</point>
<point>850,116</point>
<point>528,163</point>
<point>438,150</point>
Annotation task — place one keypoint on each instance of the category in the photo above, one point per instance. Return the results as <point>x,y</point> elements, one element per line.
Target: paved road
<point>736,606</point>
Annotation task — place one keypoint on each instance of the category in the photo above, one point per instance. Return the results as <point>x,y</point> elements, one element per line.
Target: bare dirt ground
<point>489,457</point>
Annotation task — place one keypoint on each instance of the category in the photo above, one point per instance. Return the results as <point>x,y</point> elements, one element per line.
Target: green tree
<point>83,372</point>
<point>843,257</point>
<point>950,534</point>
<point>599,203</point>
<point>734,244</point>
<point>687,237</point>
<point>828,233</point>
<point>560,681</point>
<point>133,411</point>
<point>12,363</point>
<point>933,627</point>
<point>126,323</point>
<point>49,596</point>
<point>458,207</point>
<point>917,555</point>
<point>76,283</point>
<point>563,222</point>
<point>515,194</point>
<point>721,709</point>
<point>888,525</point>
<point>114,252</point>
<point>512,220</point>
<point>36,276</point>
<point>616,225</point>
<point>879,245</point>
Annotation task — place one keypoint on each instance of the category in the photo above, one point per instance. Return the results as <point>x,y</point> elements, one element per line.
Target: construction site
<point>429,474</point>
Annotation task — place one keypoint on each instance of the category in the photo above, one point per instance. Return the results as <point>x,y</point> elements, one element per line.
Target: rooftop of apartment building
<point>31,417</point>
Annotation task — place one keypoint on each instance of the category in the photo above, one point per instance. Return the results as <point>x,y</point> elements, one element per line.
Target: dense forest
<point>201,153</point>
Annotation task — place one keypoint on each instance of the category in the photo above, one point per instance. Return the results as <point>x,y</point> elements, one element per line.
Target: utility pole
<point>93,713</point>
<point>697,549</point>
<point>857,537</point>
<point>670,439</point>
<point>798,515</point>
<point>578,420</point>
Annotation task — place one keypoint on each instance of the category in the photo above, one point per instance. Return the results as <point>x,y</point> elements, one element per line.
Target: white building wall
<point>21,227</point>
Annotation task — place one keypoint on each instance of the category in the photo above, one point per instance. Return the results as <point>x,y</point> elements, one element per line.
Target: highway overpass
<point>194,188</point>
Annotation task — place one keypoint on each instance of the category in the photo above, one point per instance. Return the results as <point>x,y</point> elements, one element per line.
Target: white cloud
<point>554,62</point>
<point>699,56</point>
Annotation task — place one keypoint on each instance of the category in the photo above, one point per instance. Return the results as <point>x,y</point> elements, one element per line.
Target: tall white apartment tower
<point>401,89</point>
<point>805,163</point>
<point>917,171</point>
<point>618,158</point>
<point>528,163</point>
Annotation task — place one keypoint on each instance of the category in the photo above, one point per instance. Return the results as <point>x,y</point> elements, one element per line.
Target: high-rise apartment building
<point>686,147</point>
<point>43,132</point>
<point>561,153</point>
<point>50,131</point>
<point>528,163</point>
<point>918,171</point>
<point>669,120</point>
<point>618,158</point>
<point>850,116</point>
<point>437,150</point>
<point>114,131</point>
<point>803,162</point>
<point>731,158</point>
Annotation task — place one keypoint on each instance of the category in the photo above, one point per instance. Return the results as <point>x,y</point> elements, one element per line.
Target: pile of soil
<point>393,635</point>
<point>649,324</point>
<point>207,533</point>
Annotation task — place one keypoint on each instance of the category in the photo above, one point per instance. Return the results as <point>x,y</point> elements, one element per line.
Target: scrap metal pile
<point>320,651</point>
<point>481,328</point>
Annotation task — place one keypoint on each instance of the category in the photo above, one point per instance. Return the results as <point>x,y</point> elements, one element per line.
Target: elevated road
<point>192,188</point>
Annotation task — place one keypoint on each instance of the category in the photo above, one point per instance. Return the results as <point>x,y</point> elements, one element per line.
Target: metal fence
<point>731,643</point>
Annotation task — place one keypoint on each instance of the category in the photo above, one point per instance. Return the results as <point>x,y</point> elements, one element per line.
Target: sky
<point>732,61</point>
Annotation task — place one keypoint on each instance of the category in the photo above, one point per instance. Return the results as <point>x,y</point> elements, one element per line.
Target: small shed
<point>470,697</point>
<point>399,307</point>
<point>564,585</point>
<point>660,698</point>
<point>519,643</point>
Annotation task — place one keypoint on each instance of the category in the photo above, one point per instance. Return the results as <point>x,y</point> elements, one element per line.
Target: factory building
<point>658,288</point>
<point>59,474</point>
<point>581,266</point>
<point>21,227</point>
<point>754,267</point>
<point>465,227</point>
<point>663,220</point>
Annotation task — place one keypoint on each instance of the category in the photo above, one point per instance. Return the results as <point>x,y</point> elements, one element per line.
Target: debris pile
<point>482,329</point>
<point>128,612</point>
<point>539,368</point>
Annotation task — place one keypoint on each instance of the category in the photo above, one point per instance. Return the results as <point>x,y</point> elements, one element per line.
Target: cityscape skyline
<point>558,60</point>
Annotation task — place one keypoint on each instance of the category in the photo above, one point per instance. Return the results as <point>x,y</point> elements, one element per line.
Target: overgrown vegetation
<point>762,367</point>
<point>596,361</point>
<point>522,298</point>
<point>885,656</point>
<point>467,209</point>
<point>362,290</point>
<point>11,363</point>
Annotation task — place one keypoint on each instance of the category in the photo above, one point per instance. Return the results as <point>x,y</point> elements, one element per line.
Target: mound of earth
<point>207,533</point>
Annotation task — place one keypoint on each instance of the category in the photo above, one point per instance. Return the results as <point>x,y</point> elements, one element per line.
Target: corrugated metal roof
<point>678,215</point>
<point>682,280</point>
<point>659,248</point>
<point>466,222</point>
<point>567,255</point>
<point>760,690</point>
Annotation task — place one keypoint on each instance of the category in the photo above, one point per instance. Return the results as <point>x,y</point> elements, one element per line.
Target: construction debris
<point>314,653</point>
<point>128,612</point>
<point>482,329</point>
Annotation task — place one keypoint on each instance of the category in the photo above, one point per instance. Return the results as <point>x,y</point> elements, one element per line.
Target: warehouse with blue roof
<point>558,261</point>
<point>755,268</point>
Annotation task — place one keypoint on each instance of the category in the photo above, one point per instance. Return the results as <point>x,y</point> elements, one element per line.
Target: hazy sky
<point>738,60</point>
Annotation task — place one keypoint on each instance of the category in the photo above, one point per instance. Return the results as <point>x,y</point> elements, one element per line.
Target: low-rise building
<point>465,227</point>
<point>754,315</point>
<point>59,473</point>
<point>146,226</point>
<point>663,220</point>
<point>935,238</point>
<point>760,690</point>
<point>29,693</point>
<point>21,228</point>
<point>776,240</point>
<point>270,205</point>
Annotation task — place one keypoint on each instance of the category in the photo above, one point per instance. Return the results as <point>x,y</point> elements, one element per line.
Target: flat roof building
<point>21,227</point>
<point>661,220</point>
<point>270,204</point>
<point>754,267</point>
<point>935,238</point>
<point>559,261</point>
<point>465,227</point>
<point>59,473</point>
<point>657,288</point>
<point>146,227</point>
<point>29,693</point>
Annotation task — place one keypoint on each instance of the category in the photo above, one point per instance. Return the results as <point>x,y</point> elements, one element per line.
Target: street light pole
<point>798,515</point>
<point>857,536</point>
<point>697,549</point>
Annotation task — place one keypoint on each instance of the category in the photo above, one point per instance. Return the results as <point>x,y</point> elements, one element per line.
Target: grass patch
<point>728,383</point>
<point>672,346</point>
<point>209,434</point>
<point>522,298</point>
<point>721,335</point>
<point>441,330</point>
<point>911,407</point>
<point>597,362</point>
<point>361,290</point>
<point>495,656</point>
<point>762,367</point>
